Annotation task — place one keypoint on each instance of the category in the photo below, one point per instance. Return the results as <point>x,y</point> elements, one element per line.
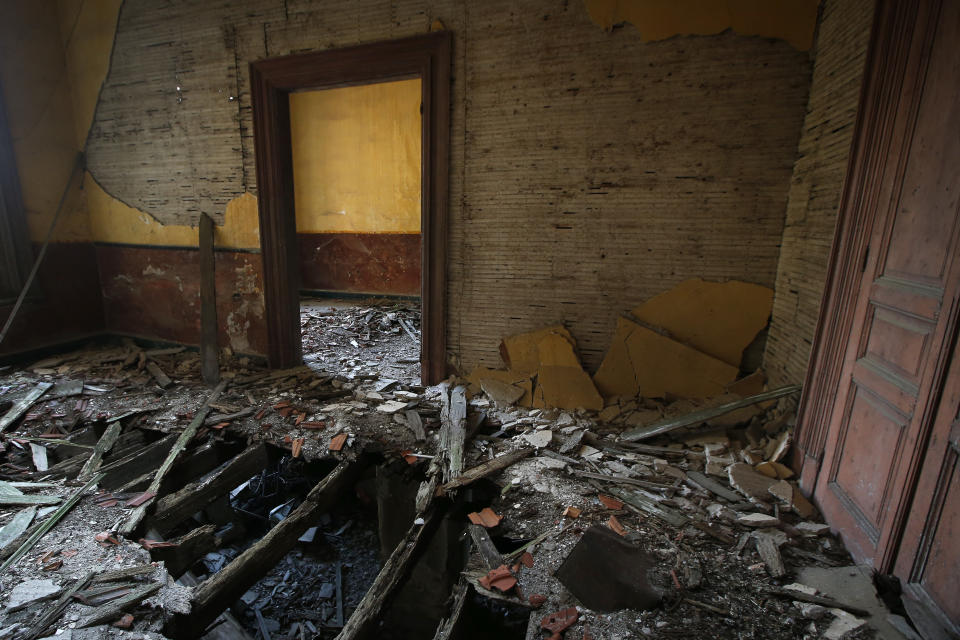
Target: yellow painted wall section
<point>790,20</point>
<point>113,221</point>
<point>87,29</point>
<point>37,97</point>
<point>356,158</point>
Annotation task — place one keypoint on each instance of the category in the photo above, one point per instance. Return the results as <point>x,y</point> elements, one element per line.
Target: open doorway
<point>274,83</point>
<point>357,190</point>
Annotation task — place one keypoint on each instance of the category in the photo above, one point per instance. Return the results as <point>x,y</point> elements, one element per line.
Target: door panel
<point>894,364</point>
<point>929,558</point>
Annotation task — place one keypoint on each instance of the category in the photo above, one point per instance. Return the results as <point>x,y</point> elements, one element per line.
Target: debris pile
<point>623,505</point>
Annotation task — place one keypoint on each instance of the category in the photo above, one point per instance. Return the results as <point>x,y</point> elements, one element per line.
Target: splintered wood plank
<point>20,406</point>
<point>485,469</point>
<point>177,507</point>
<point>670,424</point>
<point>162,379</point>
<point>223,588</point>
<point>488,551</point>
<point>368,613</point>
<point>187,550</point>
<point>453,436</point>
<point>113,610</point>
<point>107,440</point>
<point>209,363</point>
<point>136,516</point>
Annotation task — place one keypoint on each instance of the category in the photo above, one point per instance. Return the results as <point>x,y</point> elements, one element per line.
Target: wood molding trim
<point>890,86</point>
<point>427,57</point>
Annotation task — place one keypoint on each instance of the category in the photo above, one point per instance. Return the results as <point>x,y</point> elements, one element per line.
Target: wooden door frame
<point>271,82</point>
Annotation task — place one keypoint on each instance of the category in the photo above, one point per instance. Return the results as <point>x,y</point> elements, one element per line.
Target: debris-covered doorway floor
<point>362,339</point>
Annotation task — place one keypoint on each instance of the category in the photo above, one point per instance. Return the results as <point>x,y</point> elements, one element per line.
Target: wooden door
<point>905,311</point>
<point>929,557</point>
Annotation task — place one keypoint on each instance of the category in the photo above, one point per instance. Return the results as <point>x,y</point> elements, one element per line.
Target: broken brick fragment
<point>536,600</point>
<point>125,622</point>
<point>499,578</point>
<point>527,560</point>
<point>155,544</point>
<point>138,500</point>
<point>297,447</point>
<point>614,524</point>
<point>486,517</point>
<point>106,538</point>
<point>337,442</point>
<point>560,620</point>
<point>54,565</point>
<point>571,512</point>
<point>220,425</point>
<point>610,503</point>
<point>313,424</point>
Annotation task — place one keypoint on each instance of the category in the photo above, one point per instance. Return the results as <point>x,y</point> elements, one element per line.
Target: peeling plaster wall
<point>816,185</point>
<point>589,170</point>
<point>791,20</point>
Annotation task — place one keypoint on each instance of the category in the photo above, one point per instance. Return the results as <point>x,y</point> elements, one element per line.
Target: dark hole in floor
<point>317,585</point>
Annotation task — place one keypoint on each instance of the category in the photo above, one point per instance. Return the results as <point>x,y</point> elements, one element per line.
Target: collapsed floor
<point>344,499</point>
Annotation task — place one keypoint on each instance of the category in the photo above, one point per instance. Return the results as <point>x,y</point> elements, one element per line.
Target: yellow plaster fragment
<point>479,374</point>
<point>790,20</point>
<point>521,352</point>
<point>561,380</point>
<point>718,318</point>
<point>641,361</point>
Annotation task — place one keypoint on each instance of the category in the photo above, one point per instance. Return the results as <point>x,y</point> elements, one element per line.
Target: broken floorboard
<point>136,517</point>
<point>223,588</point>
<point>175,508</point>
<point>20,406</point>
<point>483,470</point>
<point>362,624</point>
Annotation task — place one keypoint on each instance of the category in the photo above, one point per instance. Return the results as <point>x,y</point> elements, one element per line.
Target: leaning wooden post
<point>209,363</point>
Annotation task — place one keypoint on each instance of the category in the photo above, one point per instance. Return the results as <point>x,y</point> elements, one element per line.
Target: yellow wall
<point>792,20</point>
<point>50,105</point>
<point>356,158</point>
<point>36,93</point>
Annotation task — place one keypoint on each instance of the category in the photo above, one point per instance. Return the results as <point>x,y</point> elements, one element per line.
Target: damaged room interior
<point>543,320</point>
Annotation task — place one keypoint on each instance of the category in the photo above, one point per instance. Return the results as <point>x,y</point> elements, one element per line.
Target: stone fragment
<point>751,484</point>
<point>539,439</point>
<point>758,520</point>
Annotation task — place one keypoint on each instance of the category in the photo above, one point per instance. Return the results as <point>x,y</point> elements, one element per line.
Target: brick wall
<point>815,187</point>
<point>589,170</point>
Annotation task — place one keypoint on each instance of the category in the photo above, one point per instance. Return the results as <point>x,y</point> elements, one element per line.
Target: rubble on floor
<point>258,502</point>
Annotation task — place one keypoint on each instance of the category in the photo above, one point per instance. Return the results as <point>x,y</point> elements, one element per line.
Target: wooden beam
<point>177,507</point>
<point>209,356</point>
<point>107,440</point>
<point>671,424</point>
<point>363,623</point>
<point>113,610</point>
<point>136,516</point>
<point>454,431</point>
<point>222,589</point>
<point>483,470</point>
<point>189,548</point>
